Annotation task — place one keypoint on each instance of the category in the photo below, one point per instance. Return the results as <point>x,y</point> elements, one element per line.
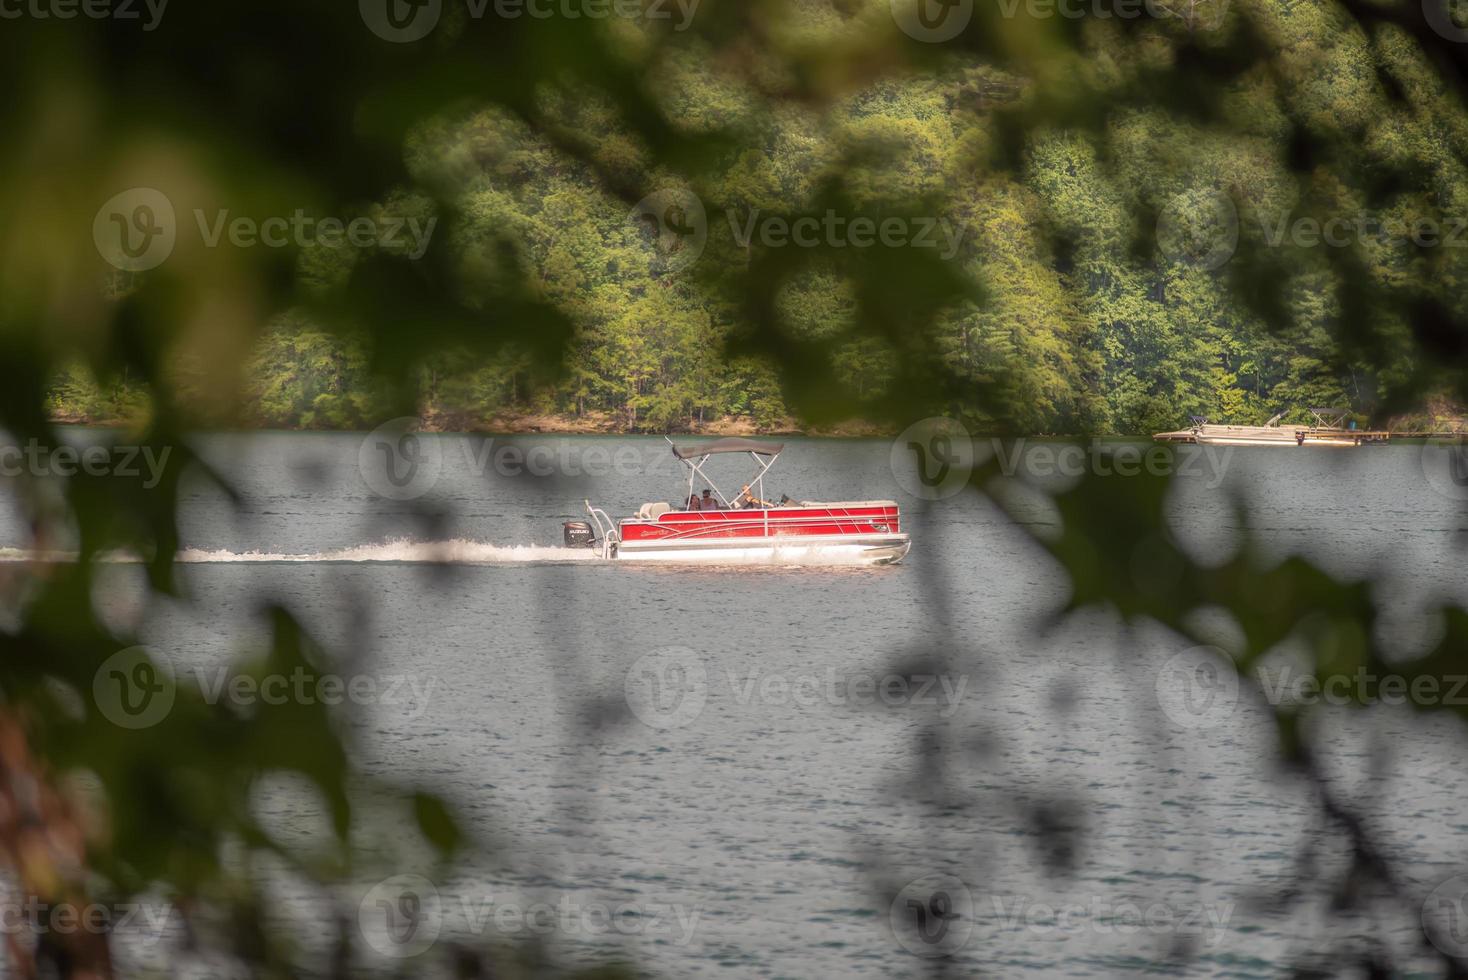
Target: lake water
<point>722,771</point>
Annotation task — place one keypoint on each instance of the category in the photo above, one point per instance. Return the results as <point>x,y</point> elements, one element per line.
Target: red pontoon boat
<point>746,528</point>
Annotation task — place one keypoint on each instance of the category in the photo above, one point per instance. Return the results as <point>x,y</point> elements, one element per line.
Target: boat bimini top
<point>764,455</point>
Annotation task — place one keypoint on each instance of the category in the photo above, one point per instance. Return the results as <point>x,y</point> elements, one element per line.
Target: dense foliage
<point>1090,165</point>
<point>1087,322</point>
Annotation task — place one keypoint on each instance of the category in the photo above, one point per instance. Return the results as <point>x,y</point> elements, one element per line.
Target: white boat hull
<point>886,549</point>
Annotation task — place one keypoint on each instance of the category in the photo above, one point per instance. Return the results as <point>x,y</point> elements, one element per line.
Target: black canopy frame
<point>729,445</point>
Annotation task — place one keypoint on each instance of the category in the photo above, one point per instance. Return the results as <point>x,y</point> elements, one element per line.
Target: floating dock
<point>1328,429</point>
<point>1303,436</point>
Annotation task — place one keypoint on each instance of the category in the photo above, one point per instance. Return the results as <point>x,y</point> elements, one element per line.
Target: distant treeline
<point>1082,321</point>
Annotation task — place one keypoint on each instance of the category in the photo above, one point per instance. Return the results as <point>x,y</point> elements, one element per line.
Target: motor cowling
<point>578,534</point>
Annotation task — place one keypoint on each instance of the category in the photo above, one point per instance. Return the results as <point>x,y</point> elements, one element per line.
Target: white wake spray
<point>399,551</point>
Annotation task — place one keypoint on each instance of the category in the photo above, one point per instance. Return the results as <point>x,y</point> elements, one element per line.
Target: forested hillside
<point>1102,260</point>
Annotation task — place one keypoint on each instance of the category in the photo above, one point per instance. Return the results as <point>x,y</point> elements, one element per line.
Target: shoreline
<point>541,425</point>
<point>591,425</point>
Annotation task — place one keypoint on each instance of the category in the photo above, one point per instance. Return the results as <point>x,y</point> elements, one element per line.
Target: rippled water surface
<point>761,825</point>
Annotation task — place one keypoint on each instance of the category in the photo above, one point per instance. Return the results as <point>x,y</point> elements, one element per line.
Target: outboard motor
<point>578,534</point>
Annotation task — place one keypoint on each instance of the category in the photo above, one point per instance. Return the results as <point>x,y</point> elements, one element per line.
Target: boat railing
<point>606,529</point>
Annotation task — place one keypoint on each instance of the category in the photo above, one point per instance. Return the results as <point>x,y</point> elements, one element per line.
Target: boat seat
<point>651,512</point>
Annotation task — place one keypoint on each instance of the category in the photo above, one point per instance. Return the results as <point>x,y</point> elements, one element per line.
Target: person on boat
<point>747,499</point>
<point>708,502</point>
<point>692,502</point>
